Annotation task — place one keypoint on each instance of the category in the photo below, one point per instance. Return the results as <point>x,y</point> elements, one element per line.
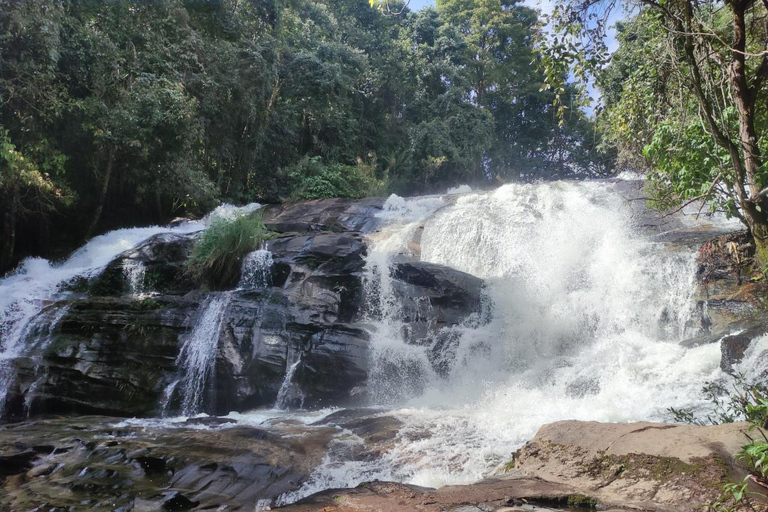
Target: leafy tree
<point>141,111</point>
<point>702,70</point>
<point>24,191</point>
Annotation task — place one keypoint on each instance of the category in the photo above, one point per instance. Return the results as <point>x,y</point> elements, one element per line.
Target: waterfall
<point>36,283</point>
<point>134,272</point>
<point>286,388</point>
<point>399,370</point>
<point>588,315</point>
<point>256,271</point>
<point>197,356</point>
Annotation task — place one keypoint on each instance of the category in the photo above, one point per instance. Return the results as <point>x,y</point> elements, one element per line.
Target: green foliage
<point>311,179</point>
<point>217,257</point>
<point>742,401</point>
<point>674,105</point>
<point>146,111</point>
<point>746,401</point>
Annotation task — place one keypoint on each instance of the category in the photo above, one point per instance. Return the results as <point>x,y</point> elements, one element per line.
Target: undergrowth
<point>217,257</point>
<point>745,402</point>
<point>312,179</point>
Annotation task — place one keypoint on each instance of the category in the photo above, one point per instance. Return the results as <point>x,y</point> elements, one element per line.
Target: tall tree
<point>714,56</point>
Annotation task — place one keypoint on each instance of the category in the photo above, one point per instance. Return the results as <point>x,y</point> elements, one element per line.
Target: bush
<point>747,401</point>
<point>311,179</point>
<point>217,256</point>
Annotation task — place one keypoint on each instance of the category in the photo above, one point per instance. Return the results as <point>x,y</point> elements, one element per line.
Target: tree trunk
<point>744,98</point>
<point>159,203</point>
<point>9,231</point>
<point>102,196</point>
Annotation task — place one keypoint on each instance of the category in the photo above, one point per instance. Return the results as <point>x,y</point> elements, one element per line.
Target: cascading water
<point>399,370</point>
<point>587,317</point>
<point>134,273</point>
<point>198,353</point>
<point>286,388</point>
<point>26,292</point>
<point>256,270</point>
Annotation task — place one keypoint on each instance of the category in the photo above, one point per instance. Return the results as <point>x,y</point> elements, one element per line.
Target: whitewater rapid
<point>587,316</point>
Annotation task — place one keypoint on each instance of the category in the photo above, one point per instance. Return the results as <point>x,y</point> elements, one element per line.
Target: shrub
<point>747,401</point>
<point>311,179</point>
<point>217,256</point>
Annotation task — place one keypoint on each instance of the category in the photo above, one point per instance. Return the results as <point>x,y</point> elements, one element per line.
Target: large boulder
<point>646,466</point>
<point>302,339</point>
<point>437,295</point>
<point>325,215</point>
<point>107,355</point>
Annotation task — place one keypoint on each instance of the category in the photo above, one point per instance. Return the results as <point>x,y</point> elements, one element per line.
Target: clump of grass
<point>217,257</point>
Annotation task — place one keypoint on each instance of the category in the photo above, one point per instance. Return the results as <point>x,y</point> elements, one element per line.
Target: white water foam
<point>461,189</point>
<point>587,318</point>
<point>256,270</point>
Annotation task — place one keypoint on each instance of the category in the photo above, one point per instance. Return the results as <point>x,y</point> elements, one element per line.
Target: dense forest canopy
<point>120,113</point>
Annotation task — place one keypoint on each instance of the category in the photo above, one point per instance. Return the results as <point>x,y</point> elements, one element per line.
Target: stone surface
<point>325,215</point>
<point>98,464</point>
<point>649,466</point>
<point>114,352</point>
<point>488,495</point>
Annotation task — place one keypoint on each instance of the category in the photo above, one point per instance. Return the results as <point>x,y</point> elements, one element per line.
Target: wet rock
<point>114,353</point>
<point>733,348</point>
<point>325,215</point>
<point>17,463</point>
<point>41,470</point>
<point>210,421</point>
<point>162,257</point>
<point>372,425</point>
<point>177,502</point>
<point>437,295</point>
<point>231,468</point>
<point>264,336</point>
<point>110,355</point>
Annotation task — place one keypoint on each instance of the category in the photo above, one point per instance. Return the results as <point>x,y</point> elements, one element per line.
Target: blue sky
<point>418,4</point>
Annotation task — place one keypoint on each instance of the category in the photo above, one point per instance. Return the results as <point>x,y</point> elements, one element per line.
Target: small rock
<point>178,501</point>
<point>210,421</point>
<point>41,470</point>
<point>151,464</point>
<point>732,349</point>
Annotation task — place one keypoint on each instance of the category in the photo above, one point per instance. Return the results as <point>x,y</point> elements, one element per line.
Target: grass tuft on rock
<point>217,257</point>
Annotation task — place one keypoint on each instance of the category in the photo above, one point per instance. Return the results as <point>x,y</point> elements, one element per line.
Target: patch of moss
<point>146,304</point>
<point>581,501</point>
